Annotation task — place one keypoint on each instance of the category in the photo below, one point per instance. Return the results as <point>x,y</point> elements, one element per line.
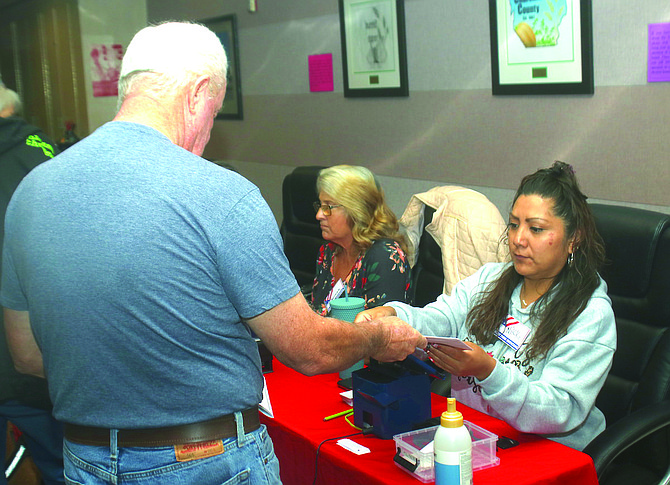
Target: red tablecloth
<point>300,403</point>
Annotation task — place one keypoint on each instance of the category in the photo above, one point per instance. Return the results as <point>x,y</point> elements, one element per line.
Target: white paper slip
<point>352,446</point>
<point>449,341</point>
<point>348,397</point>
<point>265,406</point>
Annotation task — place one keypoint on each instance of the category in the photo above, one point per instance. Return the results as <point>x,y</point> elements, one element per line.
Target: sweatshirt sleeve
<point>446,316</point>
<point>561,398</point>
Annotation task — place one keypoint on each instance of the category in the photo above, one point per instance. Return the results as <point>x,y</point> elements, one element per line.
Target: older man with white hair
<point>142,271</point>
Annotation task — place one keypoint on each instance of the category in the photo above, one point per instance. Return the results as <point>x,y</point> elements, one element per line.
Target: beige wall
<point>268,178</point>
<point>468,137</point>
<point>450,130</point>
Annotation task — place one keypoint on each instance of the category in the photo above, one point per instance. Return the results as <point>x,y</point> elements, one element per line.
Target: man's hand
<point>458,362</point>
<point>399,339</point>
<point>374,313</point>
<point>312,344</point>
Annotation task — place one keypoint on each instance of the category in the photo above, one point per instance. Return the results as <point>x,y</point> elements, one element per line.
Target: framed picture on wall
<point>374,53</point>
<point>541,46</point>
<point>225,27</point>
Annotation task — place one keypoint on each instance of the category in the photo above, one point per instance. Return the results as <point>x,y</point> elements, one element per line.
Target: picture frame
<point>374,49</point>
<point>225,28</point>
<point>541,47</point>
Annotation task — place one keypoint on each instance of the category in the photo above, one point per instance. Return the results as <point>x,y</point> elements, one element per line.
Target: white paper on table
<point>352,446</point>
<point>348,397</point>
<point>265,406</point>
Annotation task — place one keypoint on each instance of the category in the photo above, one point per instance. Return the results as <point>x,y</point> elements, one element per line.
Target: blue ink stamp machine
<point>392,398</point>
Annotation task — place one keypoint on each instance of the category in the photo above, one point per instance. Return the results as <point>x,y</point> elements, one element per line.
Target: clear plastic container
<point>420,464</point>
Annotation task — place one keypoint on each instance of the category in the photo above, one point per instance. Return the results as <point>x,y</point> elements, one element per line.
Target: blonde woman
<point>364,251</point>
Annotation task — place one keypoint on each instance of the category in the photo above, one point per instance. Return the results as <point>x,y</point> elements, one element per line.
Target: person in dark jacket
<point>24,400</point>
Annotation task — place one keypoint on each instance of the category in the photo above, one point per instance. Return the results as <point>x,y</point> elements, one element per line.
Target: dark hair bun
<point>563,167</point>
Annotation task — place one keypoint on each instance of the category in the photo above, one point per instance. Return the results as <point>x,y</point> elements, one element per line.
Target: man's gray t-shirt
<point>138,261</point>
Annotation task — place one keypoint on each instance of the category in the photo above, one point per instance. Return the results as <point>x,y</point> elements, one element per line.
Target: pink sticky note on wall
<point>321,72</point>
<point>658,61</point>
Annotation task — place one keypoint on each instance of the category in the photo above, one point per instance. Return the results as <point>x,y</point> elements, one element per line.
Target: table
<point>299,404</point>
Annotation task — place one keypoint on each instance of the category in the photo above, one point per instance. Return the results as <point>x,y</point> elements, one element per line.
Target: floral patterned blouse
<point>381,274</point>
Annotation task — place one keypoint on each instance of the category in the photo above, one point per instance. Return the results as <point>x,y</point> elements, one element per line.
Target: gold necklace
<point>523,290</point>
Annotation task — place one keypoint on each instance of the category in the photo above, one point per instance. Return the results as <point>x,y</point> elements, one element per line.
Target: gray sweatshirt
<point>553,396</point>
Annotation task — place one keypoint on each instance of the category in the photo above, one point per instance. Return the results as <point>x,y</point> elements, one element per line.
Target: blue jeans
<point>43,438</point>
<point>248,459</point>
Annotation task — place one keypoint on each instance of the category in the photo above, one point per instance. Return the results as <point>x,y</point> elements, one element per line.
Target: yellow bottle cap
<point>451,418</point>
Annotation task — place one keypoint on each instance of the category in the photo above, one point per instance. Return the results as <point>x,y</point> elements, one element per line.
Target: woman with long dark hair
<point>541,328</point>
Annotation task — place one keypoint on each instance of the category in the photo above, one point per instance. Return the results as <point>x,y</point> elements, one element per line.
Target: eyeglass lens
<point>325,208</point>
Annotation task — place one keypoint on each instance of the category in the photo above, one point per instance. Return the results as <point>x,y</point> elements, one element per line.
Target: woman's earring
<point>571,259</point>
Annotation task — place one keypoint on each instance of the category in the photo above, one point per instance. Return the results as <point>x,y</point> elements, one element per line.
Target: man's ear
<point>198,94</point>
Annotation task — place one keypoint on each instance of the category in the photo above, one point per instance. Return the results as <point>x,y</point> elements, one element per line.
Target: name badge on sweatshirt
<point>513,332</point>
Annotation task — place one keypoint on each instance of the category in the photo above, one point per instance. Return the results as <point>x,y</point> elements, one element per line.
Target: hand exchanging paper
<point>475,362</point>
<point>458,362</point>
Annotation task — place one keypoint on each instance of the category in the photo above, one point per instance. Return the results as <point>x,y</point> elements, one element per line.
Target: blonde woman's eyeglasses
<point>327,209</point>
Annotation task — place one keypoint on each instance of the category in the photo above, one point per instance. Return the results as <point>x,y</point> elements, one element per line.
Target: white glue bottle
<point>453,449</point>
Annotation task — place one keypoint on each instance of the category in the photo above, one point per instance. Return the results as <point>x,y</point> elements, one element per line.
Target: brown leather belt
<point>214,429</point>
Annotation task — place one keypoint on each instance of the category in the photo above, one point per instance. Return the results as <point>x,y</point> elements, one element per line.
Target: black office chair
<point>635,446</point>
<point>428,283</point>
<point>299,228</point>
<point>427,274</point>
